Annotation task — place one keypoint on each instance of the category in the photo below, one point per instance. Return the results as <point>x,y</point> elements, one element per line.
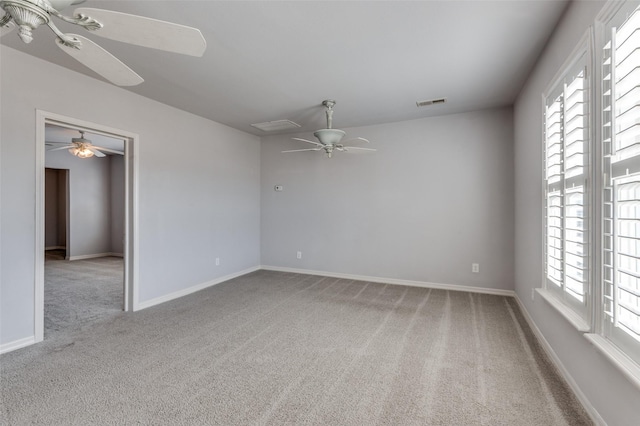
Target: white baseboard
<point>95,255</point>
<point>589,408</point>
<point>180,293</point>
<point>17,344</point>
<point>453,287</point>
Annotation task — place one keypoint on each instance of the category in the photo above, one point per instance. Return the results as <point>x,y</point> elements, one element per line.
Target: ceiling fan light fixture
<point>81,152</point>
<point>329,136</point>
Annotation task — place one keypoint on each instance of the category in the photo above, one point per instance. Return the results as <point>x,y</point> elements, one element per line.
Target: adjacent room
<point>84,212</point>
<point>266,212</point>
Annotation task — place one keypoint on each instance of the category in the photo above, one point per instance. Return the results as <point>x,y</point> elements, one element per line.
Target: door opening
<point>86,222</point>
<point>83,274</point>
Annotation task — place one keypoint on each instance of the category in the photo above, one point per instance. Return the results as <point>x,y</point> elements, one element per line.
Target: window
<point>566,147</point>
<point>621,191</point>
<point>592,255</point>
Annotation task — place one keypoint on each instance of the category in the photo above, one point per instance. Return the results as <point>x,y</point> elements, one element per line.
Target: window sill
<point>574,319</point>
<point>630,369</point>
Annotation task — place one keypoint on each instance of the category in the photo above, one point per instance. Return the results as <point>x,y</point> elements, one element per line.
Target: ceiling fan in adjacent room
<point>28,15</point>
<point>81,147</point>
<point>331,139</point>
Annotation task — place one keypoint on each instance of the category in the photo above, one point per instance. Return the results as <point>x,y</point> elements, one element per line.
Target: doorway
<point>99,246</point>
<point>84,195</point>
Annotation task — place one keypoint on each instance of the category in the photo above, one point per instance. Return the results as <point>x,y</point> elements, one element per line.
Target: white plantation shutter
<point>566,141</point>
<point>621,195</point>
<point>576,246</point>
<point>553,174</point>
<point>554,238</point>
<point>576,138</point>
<point>553,133</point>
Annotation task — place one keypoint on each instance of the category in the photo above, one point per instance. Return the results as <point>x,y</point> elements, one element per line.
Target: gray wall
<point>436,197</point>
<point>198,185</point>
<point>89,202</point>
<point>595,375</point>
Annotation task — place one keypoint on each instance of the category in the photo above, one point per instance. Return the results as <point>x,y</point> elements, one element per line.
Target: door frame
<point>131,141</point>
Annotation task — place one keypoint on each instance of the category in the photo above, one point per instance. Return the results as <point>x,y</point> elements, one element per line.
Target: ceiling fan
<point>330,139</point>
<point>81,147</point>
<point>30,14</point>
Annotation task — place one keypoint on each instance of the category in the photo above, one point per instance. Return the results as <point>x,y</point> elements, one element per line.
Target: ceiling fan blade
<point>355,140</point>
<point>104,63</point>
<point>60,148</point>
<point>95,151</point>
<point>301,150</point>
<point>308,141</point>
<point>147,32</point>
<point>113,151</point>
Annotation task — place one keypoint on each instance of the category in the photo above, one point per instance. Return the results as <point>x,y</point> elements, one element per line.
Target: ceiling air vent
<point>431,102</point>
<point>270,126</point>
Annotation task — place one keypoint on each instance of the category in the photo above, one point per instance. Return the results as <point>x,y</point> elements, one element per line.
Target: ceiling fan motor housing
<point>27,14</point>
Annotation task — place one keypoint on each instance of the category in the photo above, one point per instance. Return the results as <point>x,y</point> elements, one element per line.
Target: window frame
<point>580,315</point>
<point>615,347</point>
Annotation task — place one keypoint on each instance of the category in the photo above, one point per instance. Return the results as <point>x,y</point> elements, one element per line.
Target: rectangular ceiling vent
<point>431,102</point>
<point>271,126</point>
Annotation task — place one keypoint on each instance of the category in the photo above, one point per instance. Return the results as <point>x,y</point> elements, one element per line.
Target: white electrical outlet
<point>217,261</point>
<point>475,268</point>
<point>299,255</point>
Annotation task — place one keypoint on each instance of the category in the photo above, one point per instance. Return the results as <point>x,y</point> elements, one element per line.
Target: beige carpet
<point>278,348</point>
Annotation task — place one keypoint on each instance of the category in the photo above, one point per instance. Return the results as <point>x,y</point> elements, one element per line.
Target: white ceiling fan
<point>330,139</point>
<point>81,147</point>
<point>28,15</point>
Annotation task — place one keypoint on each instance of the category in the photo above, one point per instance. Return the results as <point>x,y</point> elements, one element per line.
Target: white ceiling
<point>272,60</point>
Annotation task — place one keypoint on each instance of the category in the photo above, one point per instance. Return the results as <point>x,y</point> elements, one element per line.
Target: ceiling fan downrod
<point>329,104</point>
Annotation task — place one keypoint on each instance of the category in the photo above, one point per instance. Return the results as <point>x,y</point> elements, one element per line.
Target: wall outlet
<point>475,268</point>
<point>217,261</point>
<point>299,255</point>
